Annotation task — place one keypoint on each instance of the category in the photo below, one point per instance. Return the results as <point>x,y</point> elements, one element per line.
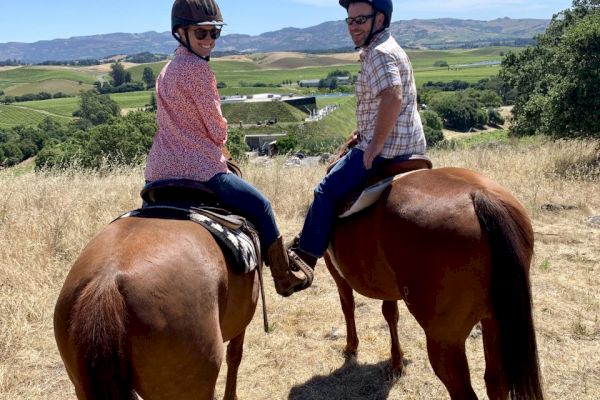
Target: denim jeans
<point>347,175</point>
<point>241,197</point>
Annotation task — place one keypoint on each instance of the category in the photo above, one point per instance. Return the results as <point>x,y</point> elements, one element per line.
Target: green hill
<point>250,113</point>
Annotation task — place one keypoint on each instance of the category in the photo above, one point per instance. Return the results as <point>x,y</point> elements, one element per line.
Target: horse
<point>146,309</point>
<point>456,247</point>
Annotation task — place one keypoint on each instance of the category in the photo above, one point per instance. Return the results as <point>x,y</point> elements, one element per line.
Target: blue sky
<point>32,20</point>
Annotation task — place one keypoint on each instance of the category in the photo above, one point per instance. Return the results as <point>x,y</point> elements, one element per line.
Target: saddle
<point>186,199</point>
<point>374,187</point>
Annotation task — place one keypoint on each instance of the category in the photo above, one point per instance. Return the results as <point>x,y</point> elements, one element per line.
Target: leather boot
<point>286,280</point>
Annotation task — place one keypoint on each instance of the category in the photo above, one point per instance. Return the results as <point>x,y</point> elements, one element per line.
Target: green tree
<point>558,80</point>
<point>118,74</point>
<point>96,109</point>
<point>148,77</point>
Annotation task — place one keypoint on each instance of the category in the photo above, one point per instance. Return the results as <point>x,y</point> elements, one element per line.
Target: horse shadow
<point>350,381</point>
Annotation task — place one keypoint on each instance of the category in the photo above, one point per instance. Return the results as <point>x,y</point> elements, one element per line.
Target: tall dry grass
<point>46,219</point>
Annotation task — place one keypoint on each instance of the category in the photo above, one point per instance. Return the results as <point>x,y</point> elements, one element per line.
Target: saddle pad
<point>370,195</point>
<point>239,242</point>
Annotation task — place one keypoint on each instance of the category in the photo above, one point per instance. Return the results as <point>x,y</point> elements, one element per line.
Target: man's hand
<point>371,152</point>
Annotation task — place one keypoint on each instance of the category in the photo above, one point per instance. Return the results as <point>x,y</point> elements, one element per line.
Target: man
<point>388,124</point>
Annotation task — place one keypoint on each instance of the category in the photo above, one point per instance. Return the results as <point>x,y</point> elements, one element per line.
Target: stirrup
<point>297,263</point>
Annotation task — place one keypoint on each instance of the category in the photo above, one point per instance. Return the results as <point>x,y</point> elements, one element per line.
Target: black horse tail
<point>511,241</point>
<point>98,322</point>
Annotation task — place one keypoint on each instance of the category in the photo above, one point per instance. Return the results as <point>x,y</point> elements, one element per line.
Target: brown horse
<point>456,247</point>
<point>146,309</point>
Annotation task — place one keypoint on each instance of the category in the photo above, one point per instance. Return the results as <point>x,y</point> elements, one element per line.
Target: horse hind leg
<point>449,362</point>
<point>235,350</point>
<point>390,312</point>
<point>348,306</point>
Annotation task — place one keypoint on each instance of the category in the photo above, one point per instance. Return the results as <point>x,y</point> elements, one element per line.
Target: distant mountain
<point>433,33</point>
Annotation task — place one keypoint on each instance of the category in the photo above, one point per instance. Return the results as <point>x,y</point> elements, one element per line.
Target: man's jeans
<point>348,175</point>
<point>241,197</point>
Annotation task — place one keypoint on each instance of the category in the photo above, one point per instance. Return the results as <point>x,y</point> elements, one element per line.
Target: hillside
<point>435,33</point>
<point>253,112</point>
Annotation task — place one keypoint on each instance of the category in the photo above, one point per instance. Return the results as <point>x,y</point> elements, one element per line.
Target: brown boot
<point>286,280</point>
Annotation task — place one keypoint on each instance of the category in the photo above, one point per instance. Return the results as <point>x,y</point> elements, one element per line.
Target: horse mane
<point>344,148</point>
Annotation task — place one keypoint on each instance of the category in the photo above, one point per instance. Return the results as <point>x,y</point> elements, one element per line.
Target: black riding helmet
<point>383,6</point>
<point>194,12</point>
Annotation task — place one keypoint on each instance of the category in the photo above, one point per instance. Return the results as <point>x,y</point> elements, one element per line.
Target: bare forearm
<point>389,109</point>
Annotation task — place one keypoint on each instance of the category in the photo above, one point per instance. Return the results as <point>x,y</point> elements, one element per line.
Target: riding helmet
<point>195,12</point>
<point>383,6</point>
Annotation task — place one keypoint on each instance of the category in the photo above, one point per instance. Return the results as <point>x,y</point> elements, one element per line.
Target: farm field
<point>237,72</point>
<point>301,358</point>
<point>13,115</point>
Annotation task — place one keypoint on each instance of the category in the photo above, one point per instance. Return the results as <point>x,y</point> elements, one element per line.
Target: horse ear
<point>344,148</point>
<point>231,164</point>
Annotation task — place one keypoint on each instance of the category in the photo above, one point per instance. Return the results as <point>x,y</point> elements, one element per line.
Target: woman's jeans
<point>242,198</point>
<point>347,176</point>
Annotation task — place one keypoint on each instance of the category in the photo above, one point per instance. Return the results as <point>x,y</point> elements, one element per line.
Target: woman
<point>192,133</point>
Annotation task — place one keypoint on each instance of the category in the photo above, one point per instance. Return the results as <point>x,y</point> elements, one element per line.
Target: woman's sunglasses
<point>359,20</point>
<point>201,34</point>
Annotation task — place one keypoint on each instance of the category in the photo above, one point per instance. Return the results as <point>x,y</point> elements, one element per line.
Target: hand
<point>371,153</point>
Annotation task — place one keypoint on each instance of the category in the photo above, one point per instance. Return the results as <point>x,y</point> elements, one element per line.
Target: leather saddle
<point>192,200</point>
<point>369,193</point>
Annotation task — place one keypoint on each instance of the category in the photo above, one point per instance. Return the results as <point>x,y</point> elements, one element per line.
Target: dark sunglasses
<point>201,34</point>
<point>359,20</point>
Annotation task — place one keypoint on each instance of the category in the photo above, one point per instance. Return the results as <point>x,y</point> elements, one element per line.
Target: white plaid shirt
<point>385,64</point>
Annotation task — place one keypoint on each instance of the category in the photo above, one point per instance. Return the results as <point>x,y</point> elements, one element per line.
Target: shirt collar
<point>375,41</point>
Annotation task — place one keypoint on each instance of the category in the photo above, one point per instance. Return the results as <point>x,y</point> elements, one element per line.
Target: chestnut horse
<point>457,248</point>
<point>146,308</point>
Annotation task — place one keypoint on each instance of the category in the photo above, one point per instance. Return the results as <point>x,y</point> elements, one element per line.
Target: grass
<point>11,116</point>
<point>232,73</point>
<point>301,358</point>
<point>36,79</point>
<point>252,112</point>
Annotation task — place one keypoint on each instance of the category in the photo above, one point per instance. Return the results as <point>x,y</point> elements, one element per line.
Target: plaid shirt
<point>385,64</point>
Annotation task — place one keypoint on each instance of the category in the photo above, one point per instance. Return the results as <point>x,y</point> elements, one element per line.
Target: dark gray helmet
<point>195,12</point>
<point>383,6</point>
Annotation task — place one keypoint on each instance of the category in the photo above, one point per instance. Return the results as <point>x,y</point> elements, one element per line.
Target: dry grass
<point>46,219</point>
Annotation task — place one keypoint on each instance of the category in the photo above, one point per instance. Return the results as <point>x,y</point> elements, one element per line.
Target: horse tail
<point>98,324</point>
<point>511,241</point>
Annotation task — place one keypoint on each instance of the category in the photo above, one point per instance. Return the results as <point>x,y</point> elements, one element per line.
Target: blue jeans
<point>241,197</point>
<point>347,176</point>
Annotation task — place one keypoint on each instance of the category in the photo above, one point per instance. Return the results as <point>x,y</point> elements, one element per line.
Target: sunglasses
<point>201,34</point>
<point>359,20</point>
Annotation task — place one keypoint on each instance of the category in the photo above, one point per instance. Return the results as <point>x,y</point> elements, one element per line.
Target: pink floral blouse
<point>191,128</point>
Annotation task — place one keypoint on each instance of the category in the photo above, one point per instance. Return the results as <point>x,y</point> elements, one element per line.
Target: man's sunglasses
<point>361,19</point>
<point>201,34</point>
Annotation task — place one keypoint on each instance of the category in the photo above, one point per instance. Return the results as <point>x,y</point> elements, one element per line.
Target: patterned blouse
<point>191,128</point>
<point>385,64</point>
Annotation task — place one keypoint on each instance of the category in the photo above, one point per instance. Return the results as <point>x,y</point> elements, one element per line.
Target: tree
<point>148,77</point>
<point>118,74</point>
<point>96,109</point>
<point>558,80</point>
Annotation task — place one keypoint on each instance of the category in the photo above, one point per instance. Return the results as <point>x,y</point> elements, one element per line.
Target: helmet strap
<point>186,44</point>
<point>372,33</point>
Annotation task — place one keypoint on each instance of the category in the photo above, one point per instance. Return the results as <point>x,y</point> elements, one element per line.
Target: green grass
<point>132,99</point>
<point>341,122</point>
<point>11,116</point>
<point>253,112</point>
<point>471,75</point>
<point>14,78</point>
<point>64,107</point>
